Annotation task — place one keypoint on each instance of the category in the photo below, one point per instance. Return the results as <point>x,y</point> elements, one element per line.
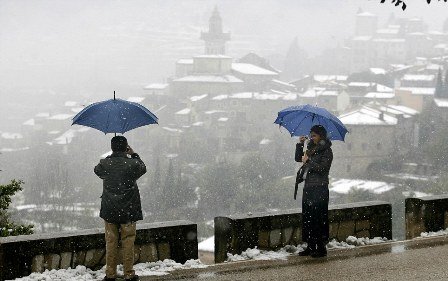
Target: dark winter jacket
<point>318,164</point>
<point>120,201</point>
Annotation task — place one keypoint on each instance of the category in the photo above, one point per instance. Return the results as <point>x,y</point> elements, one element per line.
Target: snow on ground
<point>407,176</point>
<point>345,185</point>
<point>352,242</point>
<point>208,245</point>
<point>415,194</point>
<point>289,250</point>
<point>256,254</point>
<point>142,269</point>
<point>432,234</point>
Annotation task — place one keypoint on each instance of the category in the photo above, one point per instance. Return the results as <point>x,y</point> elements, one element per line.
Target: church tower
<point>215,39</point>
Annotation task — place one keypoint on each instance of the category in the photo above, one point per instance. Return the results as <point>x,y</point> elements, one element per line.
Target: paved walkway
<point>422,259</point>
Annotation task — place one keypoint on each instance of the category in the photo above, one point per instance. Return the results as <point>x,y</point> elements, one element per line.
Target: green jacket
<point>120,201</point>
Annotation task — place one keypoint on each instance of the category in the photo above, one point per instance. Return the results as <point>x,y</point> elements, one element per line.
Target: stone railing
<point>273,230</point>
<point>426,214</point>
<point>22,255</point>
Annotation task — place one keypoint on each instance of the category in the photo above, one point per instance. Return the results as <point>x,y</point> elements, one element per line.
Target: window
<point>364,146</point>
<point>349,168</point>
<point>378,146</point>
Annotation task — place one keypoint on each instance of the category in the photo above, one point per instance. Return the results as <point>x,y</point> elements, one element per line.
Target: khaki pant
<point>127,232</point>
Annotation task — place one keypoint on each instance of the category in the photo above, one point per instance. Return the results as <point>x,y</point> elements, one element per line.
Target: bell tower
<point>215,39</point>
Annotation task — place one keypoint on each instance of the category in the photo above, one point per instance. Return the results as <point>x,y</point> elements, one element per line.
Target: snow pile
<point>256,254</point>
<point>432,234</point>
<point>142,269</point>
<point>352,242</point>
<point>70,274</point>
<point>208,245</point>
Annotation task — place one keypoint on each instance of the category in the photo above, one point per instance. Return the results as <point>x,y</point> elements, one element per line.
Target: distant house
<point>415,97</point>
<point>376,133</point>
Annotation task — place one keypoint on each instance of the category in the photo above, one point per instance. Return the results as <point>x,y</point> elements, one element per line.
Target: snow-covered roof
<point>14,149</point>
<point>242,95</point>
<point>418,77</point>
<point>433,66</point>
<point>441,102</point>
<point>198,98</point>
<point>11,136</point>
<point>365,14</point>
<point>223,119</point>
<point>267,96</point>
<point>383,89</point>
<point>362,38</point>
<point>43,114</point>
<point>70,103</point>
<point>247,68</point>
<point>29,122</point>
<point>326,78</point>
<point>435,32</point>
<point>214,111</point>
<point>345,185</point>
<point>377,71</point>
<point>184,111</point>
<point>318,91</point>
<point>402,109</point>
<point>379,95</point>
<point>213,57</point>
<point>156,86</point>
<point>286,84</point>
<point>209,79</point>
<point>63,116</point>
<point>220,97</point>
<point>290,97</point>
<point>185,61</point>
<point>197,124</point>
<point>136,99</point>
<point>76,109</point>
<point>68,136</point>
<point>441,46</point>
<point>388,31</point>
<point>367,116</point>
<point>173,130</point>
<point>389,40</point>
<point>360,84</point>
<point>418,91</point>
<point>265,141</point>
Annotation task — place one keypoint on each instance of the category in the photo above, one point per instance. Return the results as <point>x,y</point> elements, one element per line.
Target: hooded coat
<point>120,201</point>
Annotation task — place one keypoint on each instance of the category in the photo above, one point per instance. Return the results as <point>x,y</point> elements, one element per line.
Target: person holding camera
<point>316,167</point>
<point>120,204</point>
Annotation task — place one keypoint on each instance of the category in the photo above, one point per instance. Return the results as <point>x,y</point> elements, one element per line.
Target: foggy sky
<point>88,48</point>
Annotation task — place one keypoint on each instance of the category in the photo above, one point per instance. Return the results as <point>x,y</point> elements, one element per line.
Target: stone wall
<point>22,255</point>
<point>426,214</point>
<point>273,230</point>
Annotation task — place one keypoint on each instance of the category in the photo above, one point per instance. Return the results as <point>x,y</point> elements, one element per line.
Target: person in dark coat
<point>316,167</point>
<point>120,204</point>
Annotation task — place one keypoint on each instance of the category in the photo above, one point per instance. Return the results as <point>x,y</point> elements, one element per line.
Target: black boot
<point>134,278</point>
<point>306,252</point>
<point>321,251</point>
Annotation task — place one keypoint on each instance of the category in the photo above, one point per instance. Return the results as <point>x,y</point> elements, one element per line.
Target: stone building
<point>377,134</point>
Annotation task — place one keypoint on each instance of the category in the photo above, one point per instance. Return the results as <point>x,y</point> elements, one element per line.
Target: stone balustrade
<point>22,255</point>
<point>426,214</point>
<point>272,230</point>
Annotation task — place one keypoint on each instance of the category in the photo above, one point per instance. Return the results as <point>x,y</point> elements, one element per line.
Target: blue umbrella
<point>298,120</point>
<point>115,116</point>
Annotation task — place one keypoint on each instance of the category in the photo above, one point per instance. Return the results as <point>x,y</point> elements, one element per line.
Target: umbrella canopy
<point>115,116</point>
<point>298,120</point>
